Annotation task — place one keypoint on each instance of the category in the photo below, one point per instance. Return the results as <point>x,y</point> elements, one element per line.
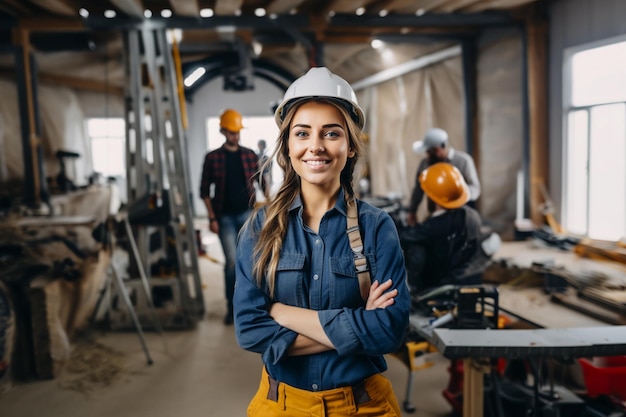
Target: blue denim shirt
<point>316,271</point>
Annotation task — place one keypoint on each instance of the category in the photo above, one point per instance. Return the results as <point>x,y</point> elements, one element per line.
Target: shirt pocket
<point>289,279</point>
<point>344,291</point>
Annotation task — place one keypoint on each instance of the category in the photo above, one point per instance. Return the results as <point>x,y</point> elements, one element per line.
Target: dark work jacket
<point>441,249</point>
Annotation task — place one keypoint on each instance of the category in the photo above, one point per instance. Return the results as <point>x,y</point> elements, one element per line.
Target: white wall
<point>209,101</point>
<point>572,23</point>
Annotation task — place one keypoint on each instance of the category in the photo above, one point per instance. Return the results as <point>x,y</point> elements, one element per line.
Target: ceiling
<point>279,36</point>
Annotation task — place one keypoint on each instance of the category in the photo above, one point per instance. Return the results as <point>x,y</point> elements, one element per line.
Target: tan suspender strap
<point>356,244</point>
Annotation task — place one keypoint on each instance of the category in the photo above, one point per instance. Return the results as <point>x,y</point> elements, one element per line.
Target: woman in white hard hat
<point>321,288</point>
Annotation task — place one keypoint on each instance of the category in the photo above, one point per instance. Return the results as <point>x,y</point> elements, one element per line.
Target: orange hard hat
<point>231,120</point>
<point>444,184</point>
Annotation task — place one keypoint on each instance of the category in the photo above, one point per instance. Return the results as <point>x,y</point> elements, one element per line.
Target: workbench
<point>564,334</point>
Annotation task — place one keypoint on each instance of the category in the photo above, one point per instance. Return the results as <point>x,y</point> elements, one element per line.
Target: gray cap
<point>433,138</point>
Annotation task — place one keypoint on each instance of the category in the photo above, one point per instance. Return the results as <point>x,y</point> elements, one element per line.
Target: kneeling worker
<point>446,247</point>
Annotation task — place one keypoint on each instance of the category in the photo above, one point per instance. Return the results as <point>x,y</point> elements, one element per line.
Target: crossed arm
<point>311,336</point>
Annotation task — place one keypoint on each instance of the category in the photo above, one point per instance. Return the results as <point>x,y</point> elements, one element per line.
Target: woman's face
<point>318,144</point>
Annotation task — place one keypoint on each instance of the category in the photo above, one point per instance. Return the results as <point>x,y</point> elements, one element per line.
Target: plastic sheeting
<point>61,129</point>
<point>400,111</point>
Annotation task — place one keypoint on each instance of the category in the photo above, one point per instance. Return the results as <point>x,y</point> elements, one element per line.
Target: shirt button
<point>316,277</point>
<point>314,386</point>
<point>317,241</point>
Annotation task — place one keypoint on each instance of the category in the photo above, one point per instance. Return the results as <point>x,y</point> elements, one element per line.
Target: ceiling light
<point>360,11</point>
<point>420,12</point>
<point>147,13</point>
<point>83,12</point>
<point>405,30</point>
<point>166,13</point>
<point>257,48</point>
<point>238,12</point>
<point>376,43</point>
<point>260,12</point>
<point>273,16</point>
<point>331,13</point>
<point>383,13</point>
<point>174,35</point>
<point>109,14</point>
<point>206,12</point>
<point>194,76</point>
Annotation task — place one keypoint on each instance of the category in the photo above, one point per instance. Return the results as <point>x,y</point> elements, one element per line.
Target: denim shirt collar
<point>340,204</point>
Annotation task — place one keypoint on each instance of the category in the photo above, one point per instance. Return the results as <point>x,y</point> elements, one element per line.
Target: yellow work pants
<point>374,398</point>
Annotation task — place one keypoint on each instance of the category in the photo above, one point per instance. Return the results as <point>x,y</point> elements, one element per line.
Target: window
<point>108,146</point>
<point>595,140</point>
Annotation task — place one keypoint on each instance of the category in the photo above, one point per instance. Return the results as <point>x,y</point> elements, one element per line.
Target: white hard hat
<point>320,82</point>
<point>433,138</point>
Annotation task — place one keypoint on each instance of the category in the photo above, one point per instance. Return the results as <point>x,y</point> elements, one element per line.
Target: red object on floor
<point>605,376</point>
<point>454,391</point>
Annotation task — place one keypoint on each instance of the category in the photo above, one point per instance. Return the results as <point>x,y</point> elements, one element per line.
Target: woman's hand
<point>378,298</point>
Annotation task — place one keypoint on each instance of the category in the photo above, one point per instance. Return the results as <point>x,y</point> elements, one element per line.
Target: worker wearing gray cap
<point>435,145</point>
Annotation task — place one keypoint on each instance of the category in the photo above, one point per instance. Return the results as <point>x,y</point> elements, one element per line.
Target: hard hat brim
<point>355,112</point>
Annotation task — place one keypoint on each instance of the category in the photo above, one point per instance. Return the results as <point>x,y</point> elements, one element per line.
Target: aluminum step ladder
<point>159,207</point>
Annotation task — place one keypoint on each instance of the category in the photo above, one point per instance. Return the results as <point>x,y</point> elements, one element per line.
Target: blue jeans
<point>230,224</point>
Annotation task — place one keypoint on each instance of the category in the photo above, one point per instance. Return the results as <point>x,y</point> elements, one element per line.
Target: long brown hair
<point>270,237</point>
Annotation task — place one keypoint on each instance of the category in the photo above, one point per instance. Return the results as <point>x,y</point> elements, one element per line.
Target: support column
<point>36,188</point>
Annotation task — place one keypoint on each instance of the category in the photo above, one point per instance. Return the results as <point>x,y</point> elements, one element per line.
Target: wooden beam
<point>346,6</point>
<point>185,7</point>
<point>496,4</point>
<point>15,8</point>
<point>45,24</point>
<point>455,5</point>
<point>227,7</point>
<point>537,35</point>
<point>283,6</point>
<point>57,7</point>
<point>393,6</point>
<point>71,82</point>
<point>429,5</point>
<point>130,7</point>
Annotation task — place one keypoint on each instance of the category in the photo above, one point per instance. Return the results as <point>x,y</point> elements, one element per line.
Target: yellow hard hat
<point>231,120</point>
<point>444,184</point>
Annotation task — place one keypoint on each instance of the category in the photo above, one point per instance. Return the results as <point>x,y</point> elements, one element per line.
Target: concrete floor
<point>196,373</point>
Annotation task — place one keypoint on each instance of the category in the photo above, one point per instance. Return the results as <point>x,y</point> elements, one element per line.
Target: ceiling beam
<point>346,6</point>
<point>185,7</point>
<point>392,6</point>
<point>496,4</point>
<point>227,7</point>
<point>57,6</point>
<point>45,24</point>
<point>133,8</point>
<point>71,82</point>
<point>15,8</point>
<point>455,5</point>
<point>407,67</point>
<point>299,23</point>
<point>427,20</point>
<point>283,6</point>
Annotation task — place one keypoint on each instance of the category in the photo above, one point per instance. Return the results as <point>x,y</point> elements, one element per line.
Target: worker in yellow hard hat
<point>228,191</point>
<point>448,247</point>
